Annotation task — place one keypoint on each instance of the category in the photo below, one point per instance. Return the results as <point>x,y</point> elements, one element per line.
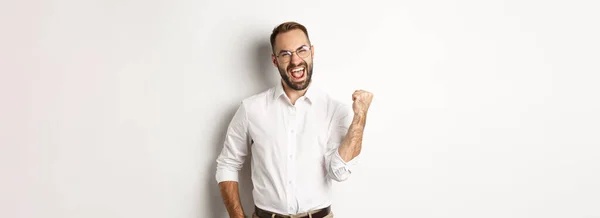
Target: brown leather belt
<point>266,214</point>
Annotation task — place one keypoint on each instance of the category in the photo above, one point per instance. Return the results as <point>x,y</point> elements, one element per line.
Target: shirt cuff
<point>342,169</point>
<point>226,175</point>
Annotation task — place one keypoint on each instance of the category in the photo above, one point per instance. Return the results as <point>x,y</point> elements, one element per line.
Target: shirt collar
<point>278,91</point>
<point>312,94</point>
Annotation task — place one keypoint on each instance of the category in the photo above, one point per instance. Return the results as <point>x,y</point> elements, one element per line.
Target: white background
<point>118,108</point>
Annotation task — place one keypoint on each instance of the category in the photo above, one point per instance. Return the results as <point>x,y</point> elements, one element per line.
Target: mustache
<point>292,66</point>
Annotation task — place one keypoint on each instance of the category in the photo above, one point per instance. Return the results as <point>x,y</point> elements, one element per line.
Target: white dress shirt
<point>294,149</point>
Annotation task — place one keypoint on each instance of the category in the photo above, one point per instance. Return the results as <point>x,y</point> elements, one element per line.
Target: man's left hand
<point>362,100</point>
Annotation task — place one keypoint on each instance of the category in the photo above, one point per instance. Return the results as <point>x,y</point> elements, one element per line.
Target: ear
<point>274,60</point>
<point>312,51</point>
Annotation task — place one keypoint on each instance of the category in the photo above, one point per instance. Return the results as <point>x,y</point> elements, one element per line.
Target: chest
<point>302,128</point>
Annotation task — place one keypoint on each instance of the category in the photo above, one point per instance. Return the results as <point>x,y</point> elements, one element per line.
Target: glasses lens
<point>303,52</point>
<point>285,57</point>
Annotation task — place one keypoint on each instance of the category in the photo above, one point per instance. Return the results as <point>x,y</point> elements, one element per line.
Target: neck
<point>293,94</point>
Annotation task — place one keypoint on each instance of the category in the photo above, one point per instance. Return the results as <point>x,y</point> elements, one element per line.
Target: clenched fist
<point>362,101</point>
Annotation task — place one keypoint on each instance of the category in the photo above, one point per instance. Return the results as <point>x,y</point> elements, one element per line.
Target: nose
<point>296,59</point>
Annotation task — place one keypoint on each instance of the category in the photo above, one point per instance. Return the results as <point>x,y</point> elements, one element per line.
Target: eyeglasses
<point>286,56</point>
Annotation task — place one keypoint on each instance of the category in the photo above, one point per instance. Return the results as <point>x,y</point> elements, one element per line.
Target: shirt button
<point>292,131</point>
<point>290,156</point>
<point>290,182</point>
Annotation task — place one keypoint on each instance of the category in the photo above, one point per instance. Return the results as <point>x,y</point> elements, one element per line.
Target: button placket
<point>291,164</point>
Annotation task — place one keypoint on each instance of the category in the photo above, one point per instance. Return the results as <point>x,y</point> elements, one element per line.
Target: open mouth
<point>298,73</point>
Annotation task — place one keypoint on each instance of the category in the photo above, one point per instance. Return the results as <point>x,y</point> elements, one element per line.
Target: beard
<point>298,86</point>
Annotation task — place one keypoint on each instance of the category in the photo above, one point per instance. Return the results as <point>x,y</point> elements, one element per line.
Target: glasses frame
<point>291,53</point>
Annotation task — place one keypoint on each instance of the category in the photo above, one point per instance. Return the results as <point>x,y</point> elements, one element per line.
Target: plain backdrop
<point>118,108</point>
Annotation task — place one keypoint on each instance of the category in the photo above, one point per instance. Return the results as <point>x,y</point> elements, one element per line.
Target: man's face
<point>297,72</point>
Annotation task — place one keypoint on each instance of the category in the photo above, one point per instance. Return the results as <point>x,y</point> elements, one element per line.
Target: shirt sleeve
<point>235,147</point>
<point>337,168</point>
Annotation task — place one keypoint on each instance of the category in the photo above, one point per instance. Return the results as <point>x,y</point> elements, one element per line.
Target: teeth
<point>297,69</point>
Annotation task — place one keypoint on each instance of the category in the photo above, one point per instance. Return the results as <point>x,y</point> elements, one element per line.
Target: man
<point>300,138</point>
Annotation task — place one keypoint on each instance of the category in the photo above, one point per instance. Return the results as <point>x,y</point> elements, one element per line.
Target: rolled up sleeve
<point>235,147</point>
<point>338,169</point>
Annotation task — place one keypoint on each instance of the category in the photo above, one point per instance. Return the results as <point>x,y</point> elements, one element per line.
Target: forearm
<point>352,143</point>
<point>231,198</point>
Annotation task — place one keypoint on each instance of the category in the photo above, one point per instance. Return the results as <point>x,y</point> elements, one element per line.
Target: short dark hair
<point>286,27</point>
